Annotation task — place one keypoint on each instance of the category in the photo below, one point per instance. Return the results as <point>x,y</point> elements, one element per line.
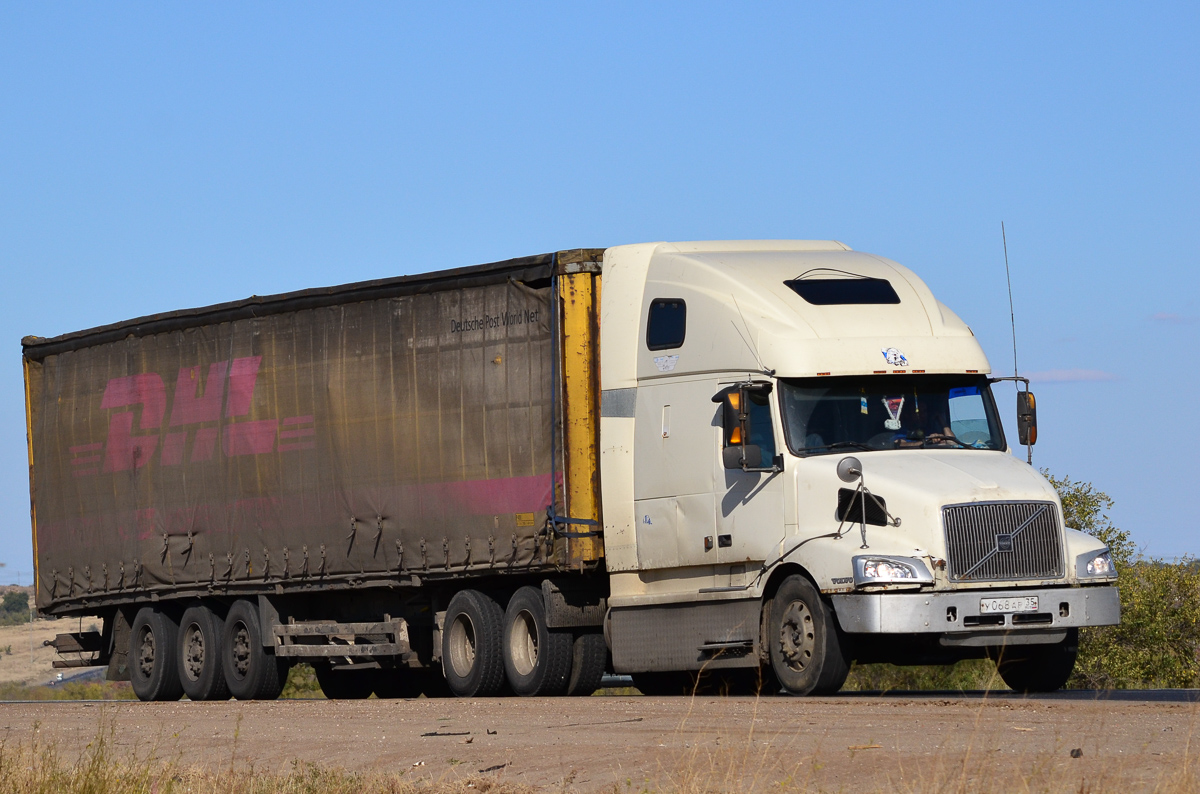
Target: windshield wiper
<point>840,445</point>
<point>942,438</point>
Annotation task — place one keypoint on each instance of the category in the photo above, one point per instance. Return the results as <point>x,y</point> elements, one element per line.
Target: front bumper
<point>958,614</point>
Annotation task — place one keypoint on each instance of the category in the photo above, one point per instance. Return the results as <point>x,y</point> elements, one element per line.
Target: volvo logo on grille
<point>1004,542</point>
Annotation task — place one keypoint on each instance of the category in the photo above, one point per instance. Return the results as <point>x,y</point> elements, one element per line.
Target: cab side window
<point>762,435</point>
<point>666,324</point>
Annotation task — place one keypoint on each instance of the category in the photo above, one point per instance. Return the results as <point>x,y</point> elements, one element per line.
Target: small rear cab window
<point>667,323</point>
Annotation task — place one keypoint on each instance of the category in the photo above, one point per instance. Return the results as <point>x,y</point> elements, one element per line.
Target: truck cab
<point>803,464</point>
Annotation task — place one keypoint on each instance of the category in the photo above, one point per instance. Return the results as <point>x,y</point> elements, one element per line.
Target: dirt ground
<point>853,743</point>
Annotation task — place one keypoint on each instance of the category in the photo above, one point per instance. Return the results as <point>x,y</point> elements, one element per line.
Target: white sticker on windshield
<point>893,356</point>
<point>894,406</point>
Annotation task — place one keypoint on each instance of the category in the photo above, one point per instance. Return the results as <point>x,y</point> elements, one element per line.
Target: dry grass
<point>711,759</point>
<point>28,766</point>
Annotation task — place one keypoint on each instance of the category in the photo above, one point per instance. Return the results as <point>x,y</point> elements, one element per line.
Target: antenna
<point>1011,315</point>
<point>1016,378</point>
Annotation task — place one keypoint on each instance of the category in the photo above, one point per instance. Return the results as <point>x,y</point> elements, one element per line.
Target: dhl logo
<point>189,433</point>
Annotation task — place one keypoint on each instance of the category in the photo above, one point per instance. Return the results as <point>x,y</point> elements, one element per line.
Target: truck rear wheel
<point>251,672</point>
<point>805,649</point>
<point>589,660</point>
<point>199,655</point>
<point>345,684</point>
<point>1037,668</point>
<point>537,660</point>
<point>472,645</point>
<point>153,639</point>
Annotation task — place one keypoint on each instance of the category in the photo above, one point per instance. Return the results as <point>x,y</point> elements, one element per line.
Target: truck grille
<point>990,541</point>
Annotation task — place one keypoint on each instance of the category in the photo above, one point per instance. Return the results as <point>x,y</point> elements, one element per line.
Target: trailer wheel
<point>589,660</point>
<point>537,660</point>
<point>472,645</point>
<point>1037,668</point>
<point>805,649</point>
<point>251,672</point>
<point>199,656</point>
<point>345,684</point>
<point>152,645</point>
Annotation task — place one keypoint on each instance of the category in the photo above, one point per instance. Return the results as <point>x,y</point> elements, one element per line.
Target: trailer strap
<point>555,520</point>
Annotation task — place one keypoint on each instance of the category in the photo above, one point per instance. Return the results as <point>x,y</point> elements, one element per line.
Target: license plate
<point>990,606</point>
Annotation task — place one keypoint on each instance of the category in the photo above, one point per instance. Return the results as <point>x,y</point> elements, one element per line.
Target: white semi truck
<point>745,467</point>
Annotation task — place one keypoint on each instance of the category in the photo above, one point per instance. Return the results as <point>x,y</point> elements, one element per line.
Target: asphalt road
<point>858,742</point>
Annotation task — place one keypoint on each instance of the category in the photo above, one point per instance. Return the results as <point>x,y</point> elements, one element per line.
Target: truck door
<point>674,473</point>
<point>749,504</point>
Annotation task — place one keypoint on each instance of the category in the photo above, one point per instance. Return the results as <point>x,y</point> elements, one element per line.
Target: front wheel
<point>1037,668</point>
<point>805,649</point>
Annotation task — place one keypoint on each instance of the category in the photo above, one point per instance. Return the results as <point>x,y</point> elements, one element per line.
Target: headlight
<point>1095,565</point>
<point>886,570</point>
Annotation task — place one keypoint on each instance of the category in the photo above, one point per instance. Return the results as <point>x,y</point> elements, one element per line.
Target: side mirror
<point>732,457</point>
<point>1026,418</point>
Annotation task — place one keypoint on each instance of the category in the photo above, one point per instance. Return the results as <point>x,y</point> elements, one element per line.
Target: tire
<point>345,684</point>
<point>537,660</point>
<point>805,648</point>
<point>472,645</point>
<point>589,660</point>
<point>1037,668</point>
<point>250,672</point>
<point>153,644</point>
<point>199,655</point>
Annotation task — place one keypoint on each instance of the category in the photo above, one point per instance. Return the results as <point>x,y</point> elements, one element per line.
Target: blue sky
<point>158,156</point>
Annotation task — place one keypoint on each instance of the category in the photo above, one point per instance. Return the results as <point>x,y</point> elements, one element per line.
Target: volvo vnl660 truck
<point>716,464</point>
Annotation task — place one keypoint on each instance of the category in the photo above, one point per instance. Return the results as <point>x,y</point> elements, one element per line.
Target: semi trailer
<point>710,465</point>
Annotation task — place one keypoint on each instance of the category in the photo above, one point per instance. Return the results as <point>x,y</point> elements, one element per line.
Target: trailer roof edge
<point>526,268</point>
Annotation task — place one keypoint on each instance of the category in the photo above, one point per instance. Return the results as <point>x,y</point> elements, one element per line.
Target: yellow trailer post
<point>579,281</point>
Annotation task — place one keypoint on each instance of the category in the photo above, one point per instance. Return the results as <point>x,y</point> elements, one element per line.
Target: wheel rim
<point>193,652</point>
<point>146,652</point>
<point>797,636</point>
<point>462,645</point>
<point>240,650</point>
<point>522,641</point>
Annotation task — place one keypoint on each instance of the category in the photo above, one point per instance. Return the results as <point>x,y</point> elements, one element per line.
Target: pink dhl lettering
<point>196,401</point>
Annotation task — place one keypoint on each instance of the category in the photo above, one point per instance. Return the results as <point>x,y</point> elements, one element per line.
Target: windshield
<point>827,415</point>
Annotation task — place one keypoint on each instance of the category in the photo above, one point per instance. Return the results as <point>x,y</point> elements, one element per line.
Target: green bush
<point>14,608</point>
<point>1157,643</point>
<point>302,683</point>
